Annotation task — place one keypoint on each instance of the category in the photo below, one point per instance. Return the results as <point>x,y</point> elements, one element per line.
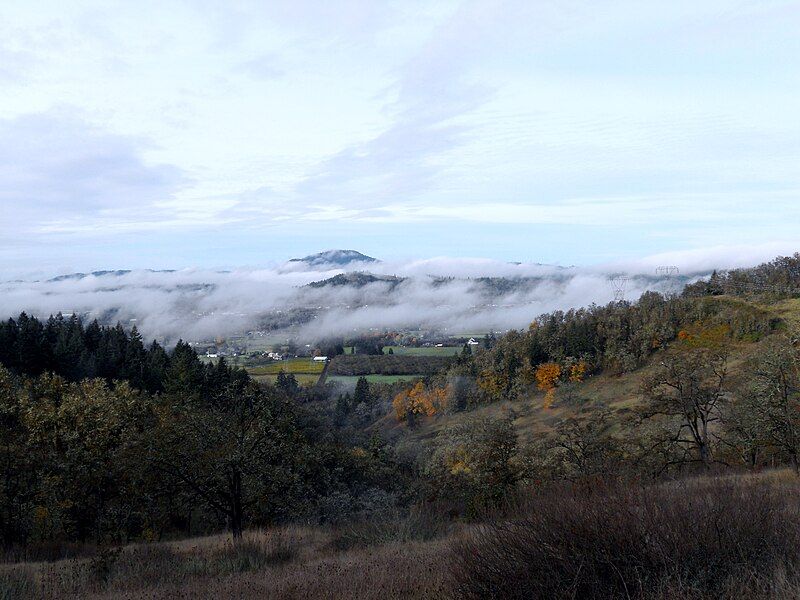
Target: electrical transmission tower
<point>667,271</point>
<point>669,274</point>
<point>618,285</point>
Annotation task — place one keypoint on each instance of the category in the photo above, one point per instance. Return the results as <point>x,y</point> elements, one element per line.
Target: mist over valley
<point>339,293</point>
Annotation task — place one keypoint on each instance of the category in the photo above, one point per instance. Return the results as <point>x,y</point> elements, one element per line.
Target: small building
<point>473,342</point>
<point>320,358</point>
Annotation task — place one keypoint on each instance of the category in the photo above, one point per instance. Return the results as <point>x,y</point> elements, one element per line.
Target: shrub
<point>710,538</point>
<point>421,523</point>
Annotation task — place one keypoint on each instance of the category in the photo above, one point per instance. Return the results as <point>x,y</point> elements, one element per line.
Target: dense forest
<point>65,347</point>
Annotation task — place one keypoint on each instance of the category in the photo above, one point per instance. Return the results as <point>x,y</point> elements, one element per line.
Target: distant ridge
<point>357,279</point>
<point>335,257</point>
<point>116,273</point>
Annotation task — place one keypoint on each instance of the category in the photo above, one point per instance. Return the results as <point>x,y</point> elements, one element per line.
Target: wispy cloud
<point>59,174</point>
<point>627,126</point>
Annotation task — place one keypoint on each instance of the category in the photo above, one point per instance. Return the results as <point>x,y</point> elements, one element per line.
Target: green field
<point>431,351</point>
<point>373,378</point>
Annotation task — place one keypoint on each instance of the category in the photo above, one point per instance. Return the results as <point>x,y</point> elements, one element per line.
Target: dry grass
<point>280,563</point>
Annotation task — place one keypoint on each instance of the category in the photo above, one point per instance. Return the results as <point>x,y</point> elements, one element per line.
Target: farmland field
<point>298,366</point>
<point>388,364</point>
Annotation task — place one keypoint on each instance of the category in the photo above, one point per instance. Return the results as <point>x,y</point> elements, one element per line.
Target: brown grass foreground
<point>708,537</point>
<point>288,562</point>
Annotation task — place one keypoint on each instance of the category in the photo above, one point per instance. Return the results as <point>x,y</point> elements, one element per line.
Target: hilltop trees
<point>778,278</point>
<point>561,349</point>
<point>688,389</point>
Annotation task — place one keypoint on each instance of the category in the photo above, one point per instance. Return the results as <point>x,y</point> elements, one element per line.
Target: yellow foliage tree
<point>493,384</point>
<point>577,371</point>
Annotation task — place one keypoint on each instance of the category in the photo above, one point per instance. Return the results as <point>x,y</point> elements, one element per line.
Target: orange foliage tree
<point>547,376</point>
<point>418,401</point>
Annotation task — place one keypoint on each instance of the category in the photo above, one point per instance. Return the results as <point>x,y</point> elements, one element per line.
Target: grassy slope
<point>618,393</point>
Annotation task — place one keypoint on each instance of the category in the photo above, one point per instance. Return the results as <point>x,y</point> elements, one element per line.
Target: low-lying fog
<point>440,293</point>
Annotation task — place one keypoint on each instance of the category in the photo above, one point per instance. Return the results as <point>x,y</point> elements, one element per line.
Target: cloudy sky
<point>173,134</point>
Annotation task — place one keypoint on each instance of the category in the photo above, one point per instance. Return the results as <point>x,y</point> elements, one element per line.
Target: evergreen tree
<point>185,375</point>
<point>362,394</point>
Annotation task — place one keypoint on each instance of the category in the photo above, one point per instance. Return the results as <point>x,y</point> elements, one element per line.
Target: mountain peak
<point>335,257</point>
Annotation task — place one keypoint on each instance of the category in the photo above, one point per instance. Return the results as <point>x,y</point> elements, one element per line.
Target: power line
<point>669,274</point>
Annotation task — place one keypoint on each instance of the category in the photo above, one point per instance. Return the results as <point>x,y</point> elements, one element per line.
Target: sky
<point>207,134</point>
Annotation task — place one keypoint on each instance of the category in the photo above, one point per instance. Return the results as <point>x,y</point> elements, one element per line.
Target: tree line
<point>64,346</point>
<point>778,278</point>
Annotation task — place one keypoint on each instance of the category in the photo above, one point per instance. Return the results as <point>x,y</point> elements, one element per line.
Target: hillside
<point>621,394</point>
<point>356,280</point>
<point>617,395</point>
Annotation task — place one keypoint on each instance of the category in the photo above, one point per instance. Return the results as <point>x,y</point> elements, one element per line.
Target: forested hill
<point>562,348</point>
<point>779,278</point>
<point>66,347</point>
